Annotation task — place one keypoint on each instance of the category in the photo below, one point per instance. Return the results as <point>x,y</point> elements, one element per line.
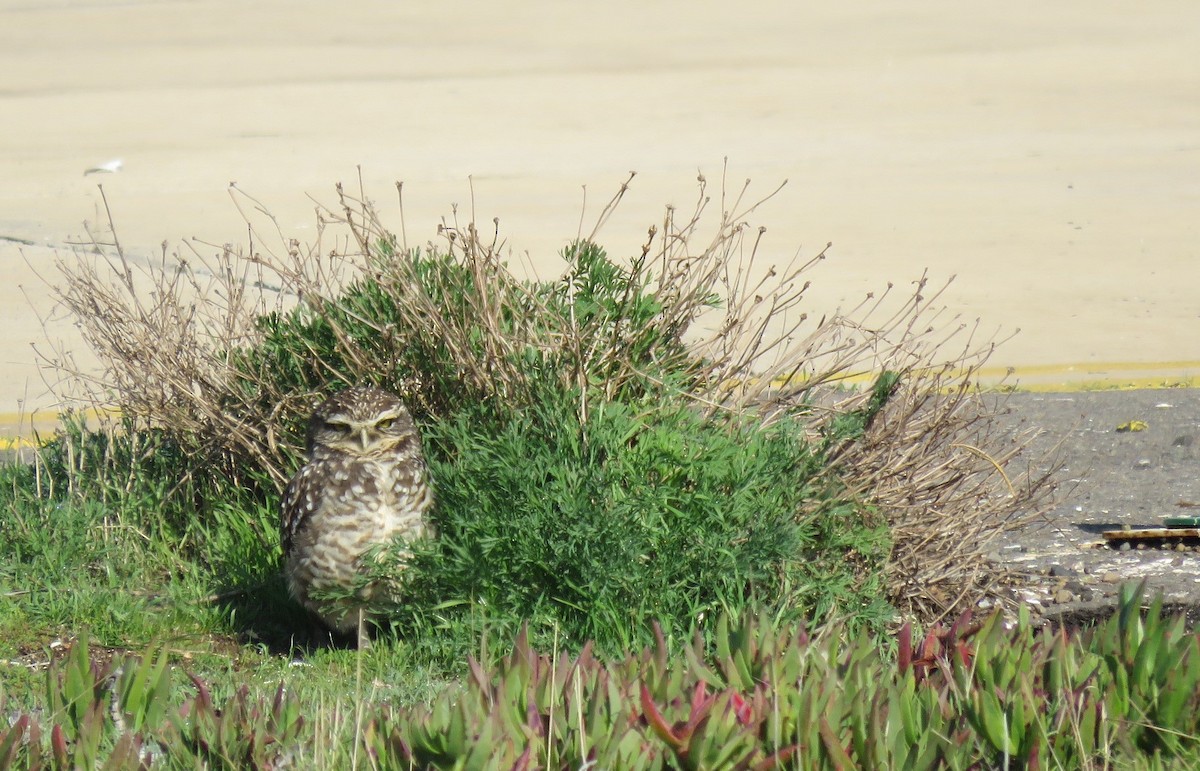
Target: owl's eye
<point>385,424</point>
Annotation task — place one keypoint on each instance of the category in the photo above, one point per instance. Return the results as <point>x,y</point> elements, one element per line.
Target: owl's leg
<point>313,636</point>
<point>364,637</point>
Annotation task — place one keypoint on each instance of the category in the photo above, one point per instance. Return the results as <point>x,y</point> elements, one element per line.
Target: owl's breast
<point>391,498</point>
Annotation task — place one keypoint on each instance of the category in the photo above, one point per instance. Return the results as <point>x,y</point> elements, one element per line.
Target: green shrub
<point>590,529</point>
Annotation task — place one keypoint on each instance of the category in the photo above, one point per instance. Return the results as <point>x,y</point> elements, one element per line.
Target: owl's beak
<point>363,435</point>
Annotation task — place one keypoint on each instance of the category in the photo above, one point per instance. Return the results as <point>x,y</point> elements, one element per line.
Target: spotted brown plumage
<point>364,483</point>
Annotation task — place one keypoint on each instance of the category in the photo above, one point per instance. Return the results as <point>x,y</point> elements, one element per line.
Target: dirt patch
<point>36,657</point>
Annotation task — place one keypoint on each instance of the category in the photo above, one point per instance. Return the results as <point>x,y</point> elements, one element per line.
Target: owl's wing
<point>299,501</point>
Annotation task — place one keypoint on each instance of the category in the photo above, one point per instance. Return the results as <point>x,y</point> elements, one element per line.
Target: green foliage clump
<point>446,331</point>
<point>364,325</point>
<point>592,528</point>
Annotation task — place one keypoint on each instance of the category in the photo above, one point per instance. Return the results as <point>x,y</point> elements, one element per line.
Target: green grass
<point>76,572</point>
<point>209,592</point>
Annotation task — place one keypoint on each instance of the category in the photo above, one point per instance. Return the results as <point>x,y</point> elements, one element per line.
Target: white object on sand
<point>112,167</point>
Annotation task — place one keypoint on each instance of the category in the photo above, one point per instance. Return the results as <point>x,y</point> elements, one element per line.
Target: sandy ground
<point>1046,154</point>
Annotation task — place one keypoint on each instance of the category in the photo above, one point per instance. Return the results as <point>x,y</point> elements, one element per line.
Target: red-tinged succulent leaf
<point>957,629</point>
<point>964,652</point>
<point>932,645</point>
<point>763,701</point>
<point>521,641</point>
<point>33,741</point>
<point>523,762</point>
<point>533,718</point>
<point>1034,762</point>
<point>204,697</point>
<point>476,674</point>
<point>742,709</point>
<point>660,647</point>
<point>656,721</point>
<point>12,739</point>
<point>699,696</point>
<point>837,753</point>
<point>702,704</point>
<point>586,660</point>
<point>904,657</point>
<point>777,759</point>
<point>125,752</point>
<point>58,746</point>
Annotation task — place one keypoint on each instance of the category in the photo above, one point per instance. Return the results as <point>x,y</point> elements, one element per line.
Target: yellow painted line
<point>1090,376</point>
<point>1095,376</point>
<point>17,429</point>
<point>17,442</point>
<point>47,417</point>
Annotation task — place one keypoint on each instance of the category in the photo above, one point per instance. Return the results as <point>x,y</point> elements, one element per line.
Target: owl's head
<point>362,421</point>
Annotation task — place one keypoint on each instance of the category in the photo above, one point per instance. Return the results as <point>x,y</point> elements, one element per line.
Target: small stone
<point>1063,596</point>
<point>1062,571</point>
<point>1111,577</point>
<point>1126,546</point>
<point>1183,441</point>
<point>1142,464</point>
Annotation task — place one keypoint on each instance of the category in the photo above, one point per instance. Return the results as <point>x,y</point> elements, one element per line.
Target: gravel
<point>1129,459</point>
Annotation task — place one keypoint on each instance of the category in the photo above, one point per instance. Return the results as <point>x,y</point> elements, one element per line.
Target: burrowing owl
<point>364,483</point>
